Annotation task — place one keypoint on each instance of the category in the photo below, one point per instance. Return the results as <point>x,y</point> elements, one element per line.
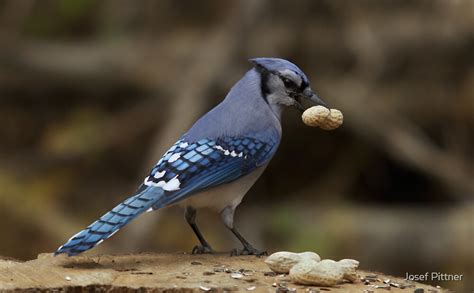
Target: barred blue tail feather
<point>111,222</point>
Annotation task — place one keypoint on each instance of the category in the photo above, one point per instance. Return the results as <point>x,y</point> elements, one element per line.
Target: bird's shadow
<point>99,263</point>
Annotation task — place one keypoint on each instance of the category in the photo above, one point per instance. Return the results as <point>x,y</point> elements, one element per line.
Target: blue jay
<point>217,160</point>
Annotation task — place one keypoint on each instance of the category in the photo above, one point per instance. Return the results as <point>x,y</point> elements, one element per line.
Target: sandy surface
<point>171,273</point>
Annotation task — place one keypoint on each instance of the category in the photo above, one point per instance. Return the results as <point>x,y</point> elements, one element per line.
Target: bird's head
<point>283,83</point>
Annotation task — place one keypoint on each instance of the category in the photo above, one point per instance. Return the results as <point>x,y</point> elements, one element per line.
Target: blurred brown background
<point>93,92</point>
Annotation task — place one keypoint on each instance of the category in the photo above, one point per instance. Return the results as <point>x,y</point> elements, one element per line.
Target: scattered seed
<point>196,263</point>
<point>385,286</point>
<point>236,276</point>
<point>251,288</point>
<point>68,278</point>
<point>396,285</point>
<point>204,288</point>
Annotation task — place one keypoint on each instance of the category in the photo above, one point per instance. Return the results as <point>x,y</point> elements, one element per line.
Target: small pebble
<point>196,263</point>
<point>208,273</point>
<point>419,290</point>
<point>204,288</point>
<point>68,278</point>
<point>251,288</point>
<point>269,274</point>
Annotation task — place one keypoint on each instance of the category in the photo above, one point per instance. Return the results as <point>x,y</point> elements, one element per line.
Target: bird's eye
<point>287,82</point>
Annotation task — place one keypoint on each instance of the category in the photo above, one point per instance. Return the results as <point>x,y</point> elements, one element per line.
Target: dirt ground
<point>173,273</point>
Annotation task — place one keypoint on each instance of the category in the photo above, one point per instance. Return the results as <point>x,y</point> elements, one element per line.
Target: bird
<point>217,160</point>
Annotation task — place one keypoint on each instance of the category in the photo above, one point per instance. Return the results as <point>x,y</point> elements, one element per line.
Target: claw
<point>199,249</point>
<point>248,251</point>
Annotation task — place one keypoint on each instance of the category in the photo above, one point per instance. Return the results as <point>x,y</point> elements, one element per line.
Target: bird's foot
<point>248,251</point>
<point>202,249</point>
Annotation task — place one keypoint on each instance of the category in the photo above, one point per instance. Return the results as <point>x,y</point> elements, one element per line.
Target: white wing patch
<point>171,185</point>
<point>227,153</point>
<point>158,175</point>
<point>174,157</point>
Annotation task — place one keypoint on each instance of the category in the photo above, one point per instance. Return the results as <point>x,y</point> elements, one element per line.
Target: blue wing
<point>184,169</point>
<point>189,167</point>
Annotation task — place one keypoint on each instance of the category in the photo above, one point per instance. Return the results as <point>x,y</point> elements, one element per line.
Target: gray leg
<point>227,215</point>
<point>190,215</point>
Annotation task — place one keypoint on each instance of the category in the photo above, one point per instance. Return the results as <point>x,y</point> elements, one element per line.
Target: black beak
<point>308,94</point>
